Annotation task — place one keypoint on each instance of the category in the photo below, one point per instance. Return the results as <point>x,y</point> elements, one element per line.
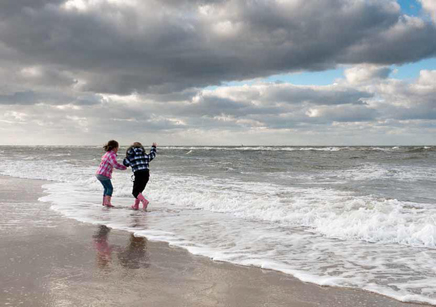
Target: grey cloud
<point>168,46</point>
<point>21,98</point>
<point>274,106</point>
<point>233,110</point>
<point>216,105</point>
<point>383,73</point>
<point>58,66</point>
<point>403,100</point>
<point>185,95</point>
<point>320,96</point>
<point>129,127</point>
<point>11,8</point>
<point>345,113</point>
<point>48,98</point>
<point>87,100</point>
<point>421,111</point>
<point>43,77</point>
<point>415,38</point>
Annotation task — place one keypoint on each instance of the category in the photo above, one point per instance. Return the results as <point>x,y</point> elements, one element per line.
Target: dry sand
<point>48,260</point>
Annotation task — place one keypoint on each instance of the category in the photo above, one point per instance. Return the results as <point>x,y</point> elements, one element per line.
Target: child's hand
<point>154,144</point>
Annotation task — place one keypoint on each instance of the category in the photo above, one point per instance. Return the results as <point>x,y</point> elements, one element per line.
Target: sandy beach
<point>49,260</point>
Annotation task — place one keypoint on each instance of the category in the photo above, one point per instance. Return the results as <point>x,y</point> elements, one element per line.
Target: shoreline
<point>51,260</point>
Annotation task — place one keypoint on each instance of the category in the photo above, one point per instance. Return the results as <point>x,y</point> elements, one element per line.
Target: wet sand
<point>49,260</point>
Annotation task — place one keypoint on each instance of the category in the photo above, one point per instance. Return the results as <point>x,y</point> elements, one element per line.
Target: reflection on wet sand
<point>133,256</point>
<point>101,244</point>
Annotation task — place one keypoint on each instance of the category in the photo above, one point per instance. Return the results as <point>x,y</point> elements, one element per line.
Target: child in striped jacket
<point>139,160</point>
<point>104,172</point>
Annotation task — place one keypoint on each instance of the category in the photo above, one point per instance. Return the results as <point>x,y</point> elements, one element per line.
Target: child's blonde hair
<point>135,145</point>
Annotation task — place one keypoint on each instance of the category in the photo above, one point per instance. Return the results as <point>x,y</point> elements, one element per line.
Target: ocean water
<point>360,217</point>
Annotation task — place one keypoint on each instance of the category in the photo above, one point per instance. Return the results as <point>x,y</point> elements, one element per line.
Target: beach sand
<point>49,260</point>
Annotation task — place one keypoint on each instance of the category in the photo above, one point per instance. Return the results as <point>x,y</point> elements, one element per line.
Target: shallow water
<point>359,217</point>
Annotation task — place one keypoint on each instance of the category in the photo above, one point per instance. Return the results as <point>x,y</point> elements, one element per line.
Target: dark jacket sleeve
<point>153,152</point>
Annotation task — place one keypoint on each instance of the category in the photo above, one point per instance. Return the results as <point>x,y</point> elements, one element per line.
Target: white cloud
<point>343,113</point>
<point>87,5</point>
<point>366,73</point>
<point>430,7</point>
<point>427,78</point>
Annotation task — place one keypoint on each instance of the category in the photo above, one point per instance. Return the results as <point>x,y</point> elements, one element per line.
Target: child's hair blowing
<point>112,144</point>
<point>135,145</point>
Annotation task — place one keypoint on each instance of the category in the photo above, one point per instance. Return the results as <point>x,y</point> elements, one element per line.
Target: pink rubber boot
<point>136,205</point>
<point>143,201</point>
<point>108,202</point>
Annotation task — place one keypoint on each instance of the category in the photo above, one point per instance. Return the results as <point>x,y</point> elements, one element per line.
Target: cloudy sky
<point>218,72</point>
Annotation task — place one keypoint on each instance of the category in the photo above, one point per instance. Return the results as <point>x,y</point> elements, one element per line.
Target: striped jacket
<point>108,162</point>
<point>137,159</point>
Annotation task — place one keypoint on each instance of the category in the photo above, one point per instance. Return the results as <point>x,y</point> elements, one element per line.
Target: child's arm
<point>126,161</point>
<point>152,153</point>
<point>113,161</point>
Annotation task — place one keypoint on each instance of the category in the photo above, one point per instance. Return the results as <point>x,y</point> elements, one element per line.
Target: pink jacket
<point>108,162</point>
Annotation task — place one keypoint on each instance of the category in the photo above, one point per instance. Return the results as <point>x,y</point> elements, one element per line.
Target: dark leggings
<point>141,179</point>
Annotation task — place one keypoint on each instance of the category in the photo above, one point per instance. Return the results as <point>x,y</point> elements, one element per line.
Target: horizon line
<point>169,145</point>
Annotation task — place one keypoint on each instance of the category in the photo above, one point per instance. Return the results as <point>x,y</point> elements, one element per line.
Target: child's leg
<point>141,179</point>
<point>105,193</point>
<point>135,192</point>
<point>144,201</point>
<point>108,190</point>
<point>103,180</point>
<point>136,189</point>
<point>135,206</point>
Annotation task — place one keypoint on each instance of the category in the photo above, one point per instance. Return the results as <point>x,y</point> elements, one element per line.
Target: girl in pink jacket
<point>104,172</point>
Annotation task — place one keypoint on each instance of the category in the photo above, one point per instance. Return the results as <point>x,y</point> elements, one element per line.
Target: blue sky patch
<point>410,7</point>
